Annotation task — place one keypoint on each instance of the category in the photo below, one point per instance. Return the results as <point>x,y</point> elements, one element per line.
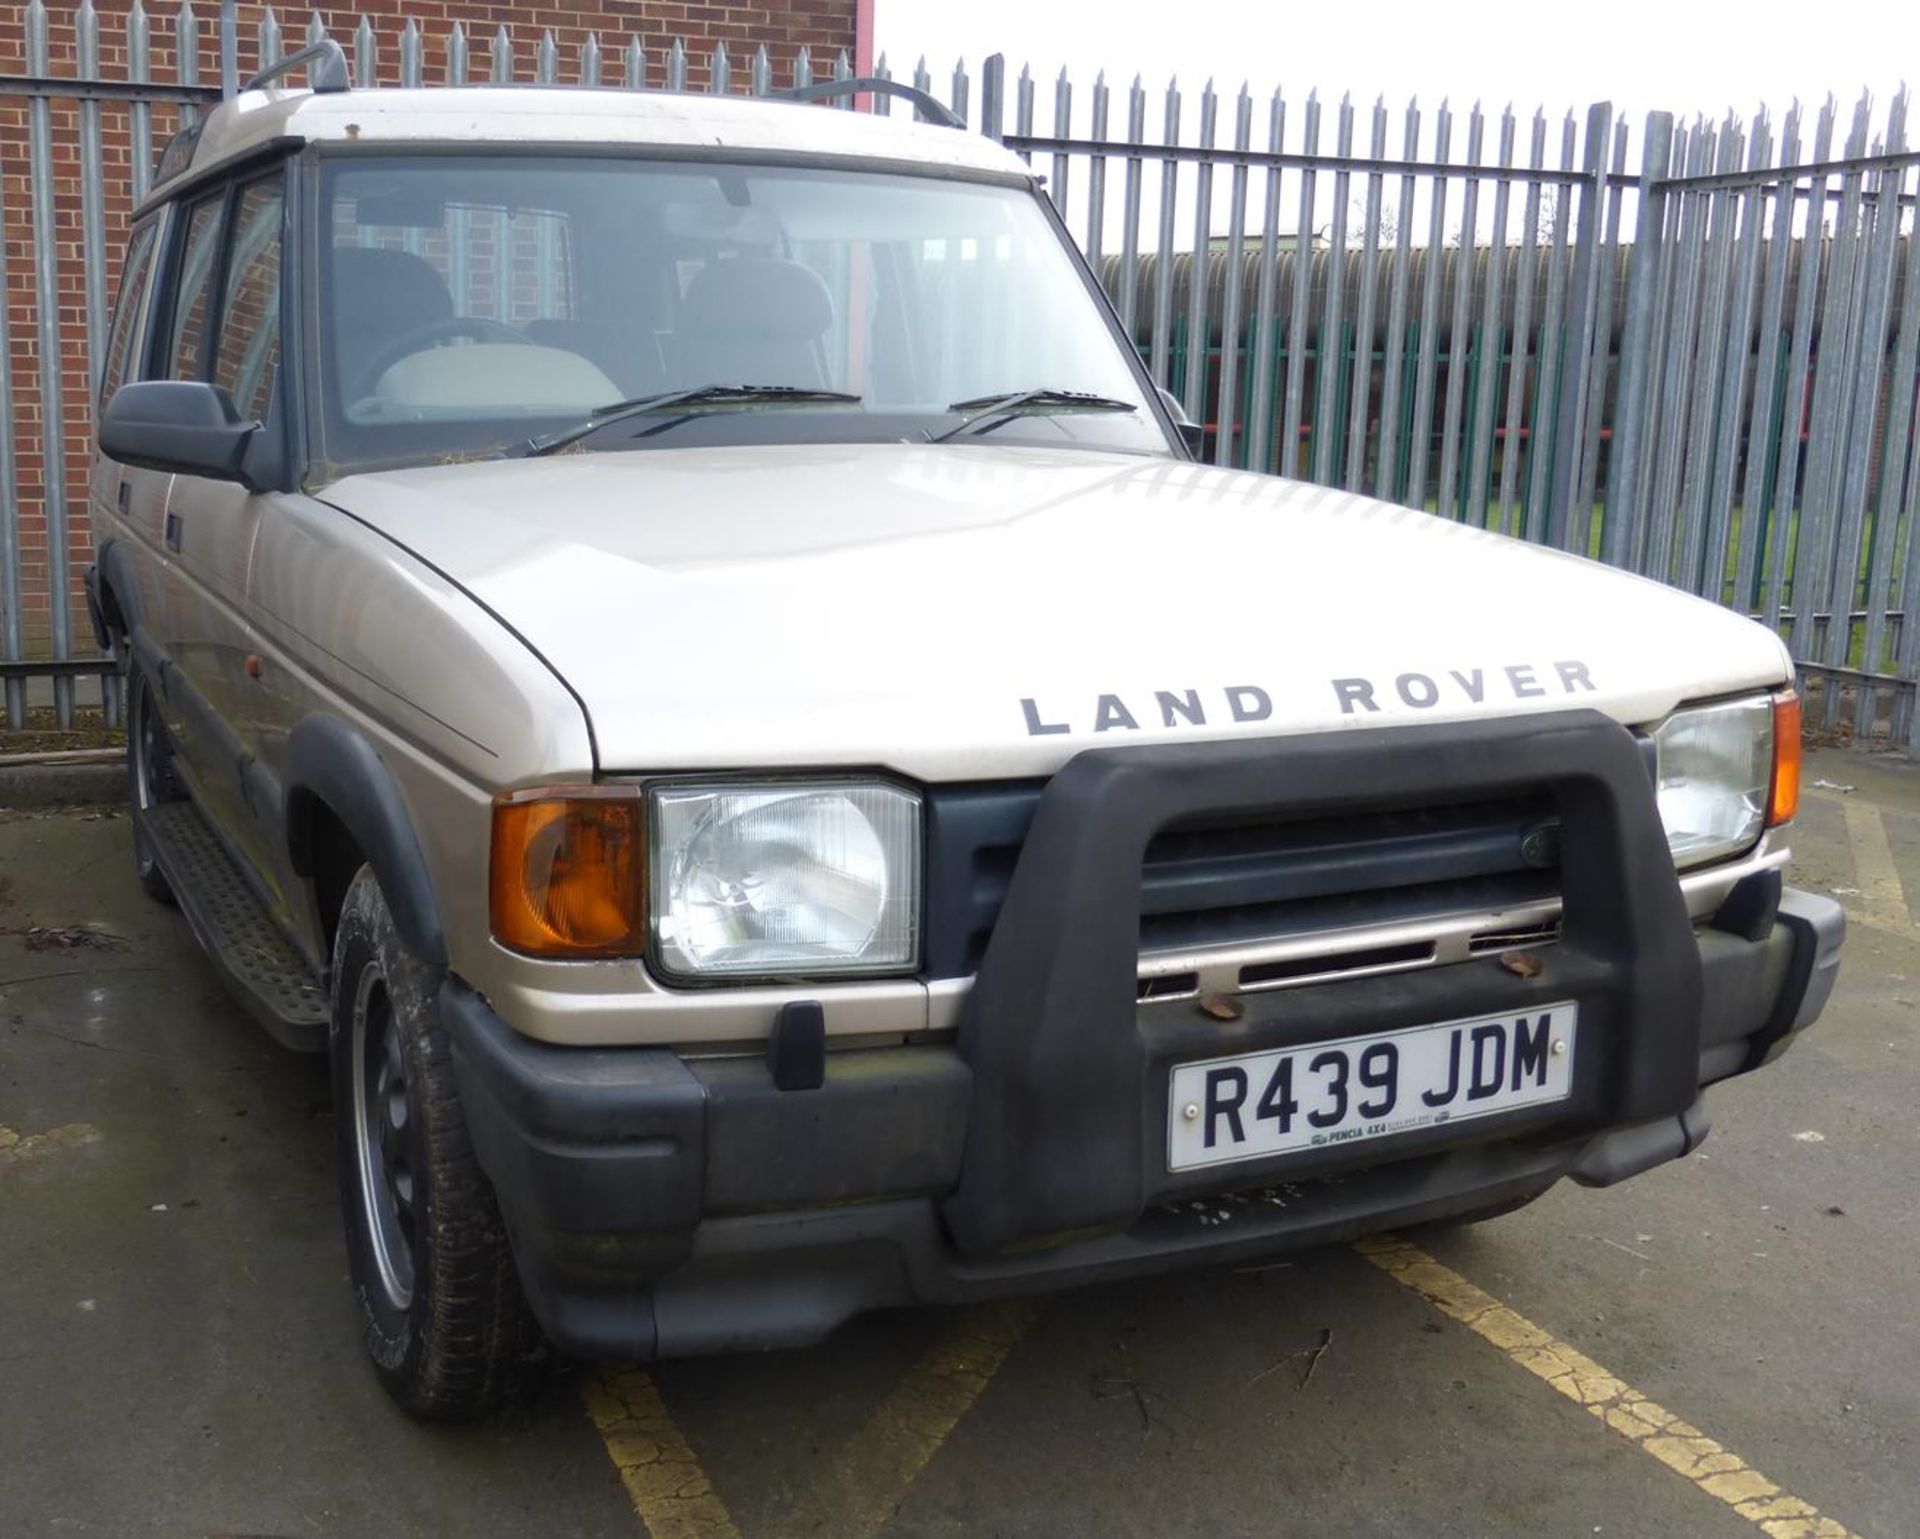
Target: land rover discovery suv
<point>676,640</point>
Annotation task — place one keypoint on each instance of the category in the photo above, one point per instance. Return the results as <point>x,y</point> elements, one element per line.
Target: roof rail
<point>931,109</point>
<point>328,73</point>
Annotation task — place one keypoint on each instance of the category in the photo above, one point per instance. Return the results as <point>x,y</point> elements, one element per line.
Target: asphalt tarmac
<point>1729,1345</point>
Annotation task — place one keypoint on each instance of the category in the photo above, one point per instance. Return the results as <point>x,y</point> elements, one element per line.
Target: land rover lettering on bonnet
<point>659,636</point>
<point>1131,711</point>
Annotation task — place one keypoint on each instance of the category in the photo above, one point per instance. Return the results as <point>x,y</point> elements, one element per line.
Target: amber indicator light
<point>1784,799</point>
<point>567,875</point>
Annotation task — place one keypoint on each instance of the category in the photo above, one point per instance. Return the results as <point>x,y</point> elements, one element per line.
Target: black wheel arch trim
<point>110,584</point>
<point>330,762</point>
<point>103,638</point>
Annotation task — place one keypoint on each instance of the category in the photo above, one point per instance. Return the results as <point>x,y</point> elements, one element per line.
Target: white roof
<point>566,115</point>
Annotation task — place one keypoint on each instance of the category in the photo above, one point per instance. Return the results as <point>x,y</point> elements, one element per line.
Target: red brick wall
<point>824,26</point>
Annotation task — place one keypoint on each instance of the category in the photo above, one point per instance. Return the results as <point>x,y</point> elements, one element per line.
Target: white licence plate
<point>1358,1088</point>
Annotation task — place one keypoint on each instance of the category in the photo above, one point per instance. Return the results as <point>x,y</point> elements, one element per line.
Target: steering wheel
<point>476,328</point>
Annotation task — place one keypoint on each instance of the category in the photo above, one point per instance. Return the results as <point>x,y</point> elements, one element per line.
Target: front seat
<point>379,294</point>
<point>753,321</point>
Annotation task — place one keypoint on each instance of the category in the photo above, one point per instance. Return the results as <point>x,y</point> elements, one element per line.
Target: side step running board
<point>256,960</point>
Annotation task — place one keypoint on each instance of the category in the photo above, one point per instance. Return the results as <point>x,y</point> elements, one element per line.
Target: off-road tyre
<point>456,1341</point>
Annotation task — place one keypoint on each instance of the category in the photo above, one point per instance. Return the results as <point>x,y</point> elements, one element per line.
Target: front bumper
<point>663,1205</point>
<point>670,1207</point>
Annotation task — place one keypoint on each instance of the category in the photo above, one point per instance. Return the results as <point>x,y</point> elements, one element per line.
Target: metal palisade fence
<point>1690,349</point>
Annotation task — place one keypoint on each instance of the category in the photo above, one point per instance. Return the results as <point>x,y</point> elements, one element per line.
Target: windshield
<point>471,304</point>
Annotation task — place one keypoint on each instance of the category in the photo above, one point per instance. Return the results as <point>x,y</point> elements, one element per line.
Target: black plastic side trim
<point>1819,927</point>
<point>1626,1152</point>
<point>330,762</point>
<point>579,1138</point>
<point>1752,906</point>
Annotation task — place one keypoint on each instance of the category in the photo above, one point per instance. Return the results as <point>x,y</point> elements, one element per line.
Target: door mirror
<point>1192,434</point>
<point>182,425</point>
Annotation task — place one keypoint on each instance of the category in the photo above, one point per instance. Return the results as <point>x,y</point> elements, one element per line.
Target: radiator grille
<point>1215,882</point>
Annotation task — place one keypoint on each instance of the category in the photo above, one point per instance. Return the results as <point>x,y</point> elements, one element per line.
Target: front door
<point>226,328</point>
<point>125,501</point>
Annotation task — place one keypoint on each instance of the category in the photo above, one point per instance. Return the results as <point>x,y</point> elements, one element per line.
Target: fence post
<point>1233,298</point>
<point>1162,344</point>
<point>366,56</point>
<point>1200,267</point>
<point>993,96</point>
<point>1880,249</point>
<point>53,448</point>
<point>1570,425</point>
<point>93,211</point>
<point>12,637</point>
<point>1636,343</point>
<point>229,49</point>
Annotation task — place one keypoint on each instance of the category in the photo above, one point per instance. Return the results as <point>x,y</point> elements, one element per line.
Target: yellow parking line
<point>16,1150</point>
<point>1684,1449</point>
<point>670,1491</point>
<point>1883,902</point>
<point>675,1498</point>
<point>886,1456</point>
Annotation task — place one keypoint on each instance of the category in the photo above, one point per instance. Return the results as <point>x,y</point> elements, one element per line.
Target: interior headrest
<point>376,289</point>
<point>758,298</point>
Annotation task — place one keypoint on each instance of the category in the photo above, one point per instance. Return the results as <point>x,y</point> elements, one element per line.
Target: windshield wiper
<point>996,410</point>
<point>699,395</point>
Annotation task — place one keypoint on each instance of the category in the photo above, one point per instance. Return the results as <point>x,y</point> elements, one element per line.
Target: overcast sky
<point>1679,55</point>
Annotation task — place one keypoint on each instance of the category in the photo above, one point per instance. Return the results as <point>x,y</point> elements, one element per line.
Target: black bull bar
<point>1068,1081</point>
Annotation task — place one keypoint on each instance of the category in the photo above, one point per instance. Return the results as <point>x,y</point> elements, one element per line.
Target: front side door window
<point>134,276</point>
<point>192,307</point>
<point>247,359</point>
<point>119,491</point>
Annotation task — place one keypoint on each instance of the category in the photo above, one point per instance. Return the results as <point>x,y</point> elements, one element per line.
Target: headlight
<point>1716,777</point>
<point>777,880</point>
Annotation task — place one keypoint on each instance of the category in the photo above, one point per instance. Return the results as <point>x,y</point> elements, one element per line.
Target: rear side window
<point>135,275</point>
<point>187,345</point>
<point>249,348</point>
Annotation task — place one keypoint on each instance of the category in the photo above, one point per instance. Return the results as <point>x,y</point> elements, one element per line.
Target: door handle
<point>123,495</point>
<point>173,533</point>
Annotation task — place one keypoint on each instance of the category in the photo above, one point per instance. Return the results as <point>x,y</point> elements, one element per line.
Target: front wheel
<point>441,1310</point>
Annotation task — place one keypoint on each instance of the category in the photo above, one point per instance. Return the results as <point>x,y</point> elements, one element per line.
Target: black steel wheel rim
<point>382,1120</point>
<point>149,743</point>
